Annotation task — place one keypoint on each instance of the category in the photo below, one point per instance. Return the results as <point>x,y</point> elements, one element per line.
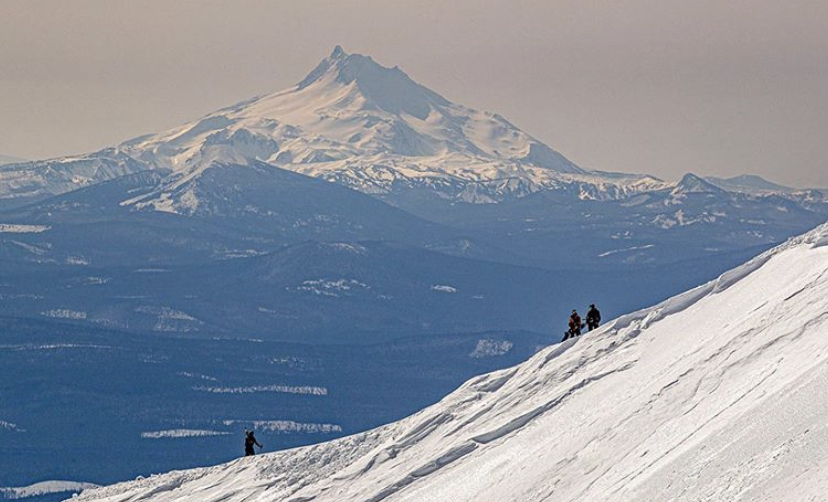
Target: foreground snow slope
<point>718,394</point>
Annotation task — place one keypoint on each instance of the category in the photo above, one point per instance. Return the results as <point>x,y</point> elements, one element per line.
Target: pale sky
<point>715,87</point>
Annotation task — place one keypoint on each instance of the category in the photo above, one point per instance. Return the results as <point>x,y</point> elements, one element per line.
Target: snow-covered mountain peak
<point>370,127</point>
<point>691,183</point>
<point>389,89</point>
<point>338,51</point>
<point>351,121</point>
<point>749,183</point>
<point>715,394</point>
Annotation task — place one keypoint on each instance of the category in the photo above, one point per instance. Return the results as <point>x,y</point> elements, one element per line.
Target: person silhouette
<point>249,442</point>
<point>593,318</point>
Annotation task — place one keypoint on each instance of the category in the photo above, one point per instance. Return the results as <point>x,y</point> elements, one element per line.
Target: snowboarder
<point>574,326</point>
<point>593,317</point>
<point>249,441</point>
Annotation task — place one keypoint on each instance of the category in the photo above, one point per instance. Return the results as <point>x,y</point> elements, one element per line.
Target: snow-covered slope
<point>716,394</point>
<point>39,179</point>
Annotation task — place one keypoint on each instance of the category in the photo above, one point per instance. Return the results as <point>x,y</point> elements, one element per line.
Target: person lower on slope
<point>249,442</point>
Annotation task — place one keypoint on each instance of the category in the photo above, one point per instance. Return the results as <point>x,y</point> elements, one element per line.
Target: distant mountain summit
<point>369,127</point>
<point>749,183</point>
<point>351,121</point>
<point>388,89</point>
<point>691,183</point>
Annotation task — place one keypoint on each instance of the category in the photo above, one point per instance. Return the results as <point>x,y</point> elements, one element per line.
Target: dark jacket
<point>575,322</point>
<point>249,441</point>
<point>594,315</point>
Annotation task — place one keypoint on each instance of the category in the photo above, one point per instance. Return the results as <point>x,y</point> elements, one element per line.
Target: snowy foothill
<point>44,488</point>
<point>715,394</point>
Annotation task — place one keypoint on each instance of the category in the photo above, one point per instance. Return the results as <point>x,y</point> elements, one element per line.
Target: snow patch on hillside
<point>182,433</point>
<point>54,346</point>
<point>331,287</point>
<point>287,426</point>
<point>625,250</point>
<point>171,320</point>
<point>491,348</point>
<point>65,314</point>
<point>9,426</point>
<point>10,228</point>
<point>284,389</point>
<point>45,488</point>
<point>444,288</point>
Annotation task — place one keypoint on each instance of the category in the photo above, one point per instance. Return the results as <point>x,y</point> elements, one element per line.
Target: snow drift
<point>716,394</point>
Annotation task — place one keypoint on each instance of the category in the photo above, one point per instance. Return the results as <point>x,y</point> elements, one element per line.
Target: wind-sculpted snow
<point>716,394</point>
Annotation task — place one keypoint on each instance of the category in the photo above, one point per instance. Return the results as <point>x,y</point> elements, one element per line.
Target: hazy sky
<point>660,86</point>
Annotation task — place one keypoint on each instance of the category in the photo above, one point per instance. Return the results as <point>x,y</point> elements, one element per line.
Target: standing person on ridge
<point>249,441</point>
<point>593,317</point>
